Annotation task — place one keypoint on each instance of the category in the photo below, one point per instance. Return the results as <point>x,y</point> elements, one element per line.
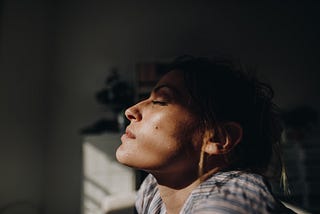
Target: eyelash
<point>161,103</point>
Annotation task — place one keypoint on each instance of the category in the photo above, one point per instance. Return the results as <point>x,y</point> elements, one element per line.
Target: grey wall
<point>55,56</point>
<point>23,109</point>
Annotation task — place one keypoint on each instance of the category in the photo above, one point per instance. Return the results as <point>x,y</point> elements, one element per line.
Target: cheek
<point>158,126</point>
<point>162,128</point>
<point>177,131</point>
<point>159,134</point>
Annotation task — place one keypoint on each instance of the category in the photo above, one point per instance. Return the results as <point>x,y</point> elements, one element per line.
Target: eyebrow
<point>171,88</point>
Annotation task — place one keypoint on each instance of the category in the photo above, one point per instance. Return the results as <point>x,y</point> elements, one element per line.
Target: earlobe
<point>211,146</point>
<point>231,136</point>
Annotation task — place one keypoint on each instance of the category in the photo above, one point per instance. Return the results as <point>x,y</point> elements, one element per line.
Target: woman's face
<point>163,135</point>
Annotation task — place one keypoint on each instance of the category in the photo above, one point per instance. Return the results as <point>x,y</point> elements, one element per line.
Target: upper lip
<point>129,134</point>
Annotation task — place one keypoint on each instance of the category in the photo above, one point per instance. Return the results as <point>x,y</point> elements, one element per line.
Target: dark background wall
<point>24,66</point>
<point>56,54</point>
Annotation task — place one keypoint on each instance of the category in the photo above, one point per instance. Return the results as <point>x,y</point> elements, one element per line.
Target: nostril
<point>130,117</point>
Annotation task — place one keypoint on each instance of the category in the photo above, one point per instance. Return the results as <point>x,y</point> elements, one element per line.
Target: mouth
<point>129,134</point>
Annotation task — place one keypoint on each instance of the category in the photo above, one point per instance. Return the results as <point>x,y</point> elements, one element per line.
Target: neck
<point>175,189</point>
<point>173,198</point>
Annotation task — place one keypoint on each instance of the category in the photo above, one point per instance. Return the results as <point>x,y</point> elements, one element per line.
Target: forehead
<point>174,80</point>
<point>173,83</point>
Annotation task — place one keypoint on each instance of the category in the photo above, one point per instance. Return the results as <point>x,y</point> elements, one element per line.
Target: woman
<point>206,135</point>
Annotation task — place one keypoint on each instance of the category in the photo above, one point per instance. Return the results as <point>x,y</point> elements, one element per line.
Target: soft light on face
<point>162,135</point>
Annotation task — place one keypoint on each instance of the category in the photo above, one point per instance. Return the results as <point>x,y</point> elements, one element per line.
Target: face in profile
<point>163,134</point>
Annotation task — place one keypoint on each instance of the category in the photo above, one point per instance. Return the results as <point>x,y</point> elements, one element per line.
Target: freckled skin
<point>162,133</point>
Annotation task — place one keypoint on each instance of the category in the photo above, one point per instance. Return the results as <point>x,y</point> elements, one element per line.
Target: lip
<point>129,134</point>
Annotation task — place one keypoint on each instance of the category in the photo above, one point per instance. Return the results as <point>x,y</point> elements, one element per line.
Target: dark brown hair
<point>221,92</point>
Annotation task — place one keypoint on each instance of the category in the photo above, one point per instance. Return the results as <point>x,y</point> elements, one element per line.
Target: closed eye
<point>161,103</point>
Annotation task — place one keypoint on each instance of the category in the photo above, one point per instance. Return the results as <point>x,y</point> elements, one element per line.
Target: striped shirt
<point>232,192</point>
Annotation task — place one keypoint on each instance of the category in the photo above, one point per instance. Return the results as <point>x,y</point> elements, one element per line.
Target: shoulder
<point>234,192</point>
<point>230,183</point>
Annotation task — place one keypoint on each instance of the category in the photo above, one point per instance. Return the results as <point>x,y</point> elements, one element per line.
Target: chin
<point>120,155</point>
<point>123,157</point>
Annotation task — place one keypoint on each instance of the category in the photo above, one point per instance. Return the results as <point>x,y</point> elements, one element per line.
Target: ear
<point>232,135</point>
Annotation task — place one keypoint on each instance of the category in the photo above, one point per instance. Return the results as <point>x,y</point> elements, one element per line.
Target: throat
<point>174,199</point>
<point>176,180</point>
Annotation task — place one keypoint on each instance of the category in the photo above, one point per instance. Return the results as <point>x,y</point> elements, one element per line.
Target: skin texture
<point>162,137</point>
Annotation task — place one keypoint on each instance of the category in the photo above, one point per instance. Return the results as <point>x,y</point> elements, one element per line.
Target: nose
<point>133,113</point>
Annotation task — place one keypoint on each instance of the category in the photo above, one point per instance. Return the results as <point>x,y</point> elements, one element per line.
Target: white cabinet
<point>103,177</point>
